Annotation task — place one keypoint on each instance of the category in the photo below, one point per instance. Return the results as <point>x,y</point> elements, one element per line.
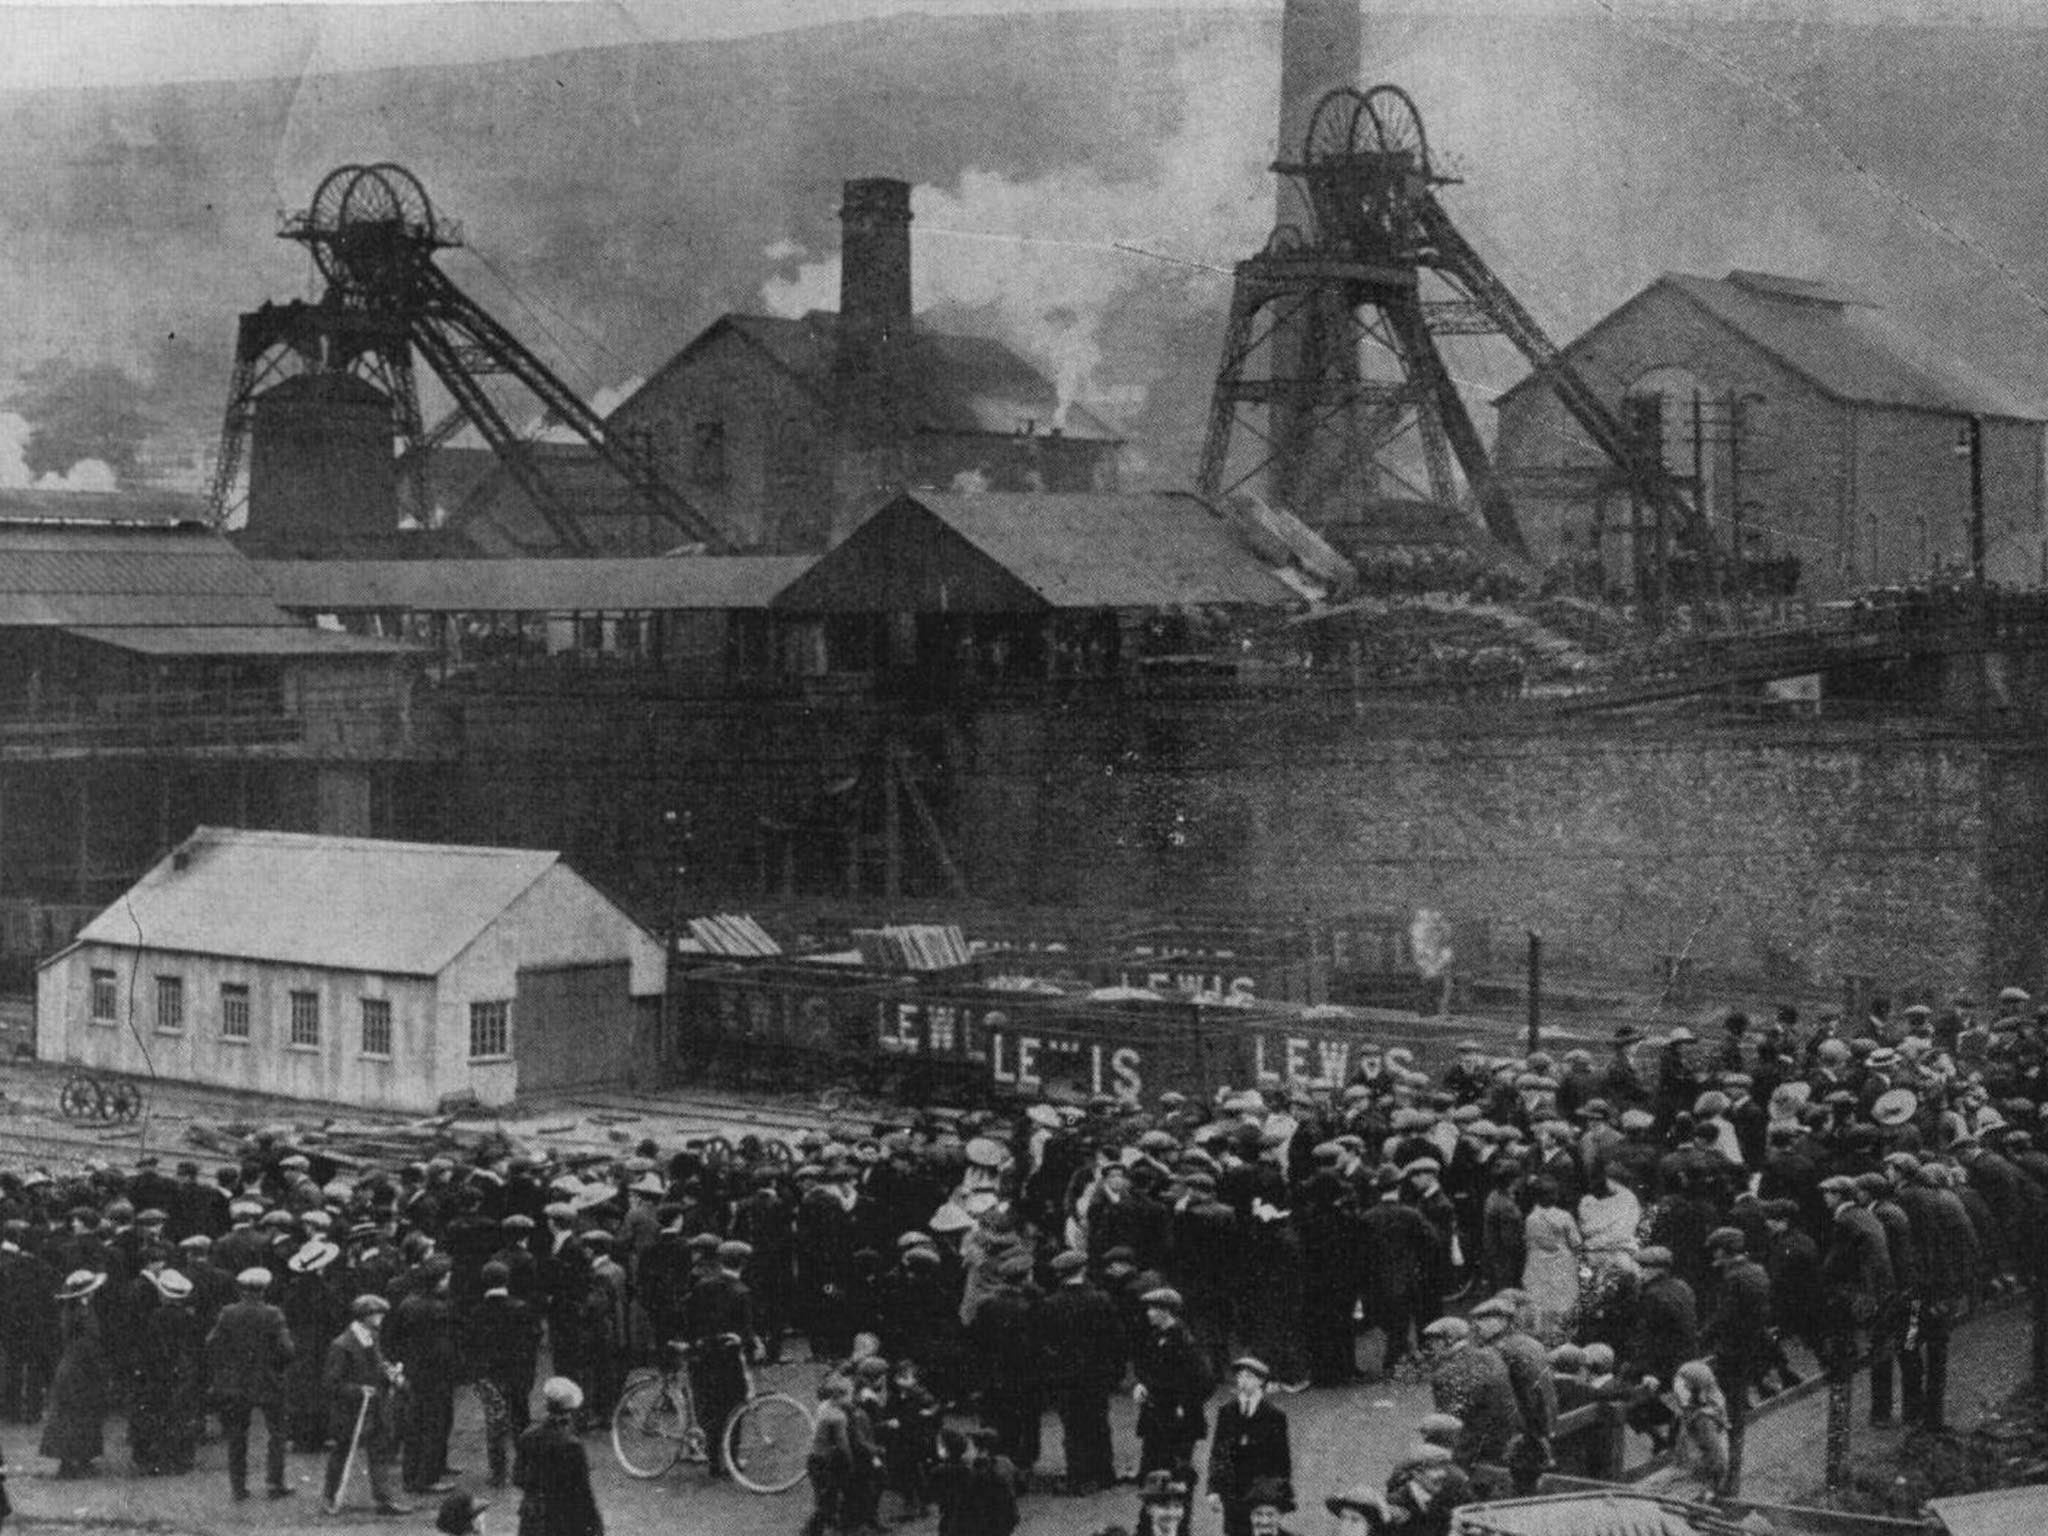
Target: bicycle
<point>767,1439</point>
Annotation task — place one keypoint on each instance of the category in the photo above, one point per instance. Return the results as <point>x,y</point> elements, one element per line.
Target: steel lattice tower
<point>1331,361</point>
<point>374,237</point>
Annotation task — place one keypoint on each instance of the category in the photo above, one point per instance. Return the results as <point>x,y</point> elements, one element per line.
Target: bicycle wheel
<point>649,1427</point>
<point>768,1442</point>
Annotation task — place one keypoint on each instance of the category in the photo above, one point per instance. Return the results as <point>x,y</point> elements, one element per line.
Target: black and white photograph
<point>1024,767</point>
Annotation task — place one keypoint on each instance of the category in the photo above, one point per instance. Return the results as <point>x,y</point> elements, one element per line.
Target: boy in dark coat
<point>553,1473</point>
<point>1250,1446</point>
<point>977,1489</point>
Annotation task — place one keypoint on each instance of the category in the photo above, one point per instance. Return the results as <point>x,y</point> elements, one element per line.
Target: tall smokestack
<point>870,360</point>
<point>1321,49</point>
<point>874,262</point>
<point>1322,46</point>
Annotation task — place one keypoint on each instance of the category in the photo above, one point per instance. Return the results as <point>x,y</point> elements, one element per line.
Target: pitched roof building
<point>787,429</point>
<point>1824,428</point>
<point>355,970</point>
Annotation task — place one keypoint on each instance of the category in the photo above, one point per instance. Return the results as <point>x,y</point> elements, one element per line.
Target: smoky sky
<point>629,195</point>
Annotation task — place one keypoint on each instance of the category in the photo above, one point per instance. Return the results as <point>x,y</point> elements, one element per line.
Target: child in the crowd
<point>976,1489</point>
<point>835,1462</point>
<point>1702,1423</point>
<point>908,1427</point>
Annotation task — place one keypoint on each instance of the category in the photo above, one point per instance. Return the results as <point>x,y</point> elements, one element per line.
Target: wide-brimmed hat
<point>1272,1492</point>
<point>313,1257</point>
<point>561,1394</point>
<point>80,1283</point>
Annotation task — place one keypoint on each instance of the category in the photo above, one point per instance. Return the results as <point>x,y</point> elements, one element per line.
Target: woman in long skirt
<point>74,1433</point>
<point>1550,1267</point>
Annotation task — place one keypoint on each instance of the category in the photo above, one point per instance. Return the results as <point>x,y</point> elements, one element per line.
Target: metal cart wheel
<point>122,1101</point>
<point>80,1098</point>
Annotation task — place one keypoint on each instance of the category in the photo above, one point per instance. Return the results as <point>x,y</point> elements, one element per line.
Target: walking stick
<point>355,1442</point>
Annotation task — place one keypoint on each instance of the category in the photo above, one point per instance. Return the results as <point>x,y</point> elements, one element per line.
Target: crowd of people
<point>1673,1230</point>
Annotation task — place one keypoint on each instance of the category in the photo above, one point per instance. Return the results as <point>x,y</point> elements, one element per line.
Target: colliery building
<point>1809,423</point>
<point>788,429</point>
<point>399,975</point>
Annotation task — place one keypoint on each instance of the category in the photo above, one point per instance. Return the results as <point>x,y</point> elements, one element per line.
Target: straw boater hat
<point>1895,1106</point>
<point>79,1284</point>
<point>313,1257</point>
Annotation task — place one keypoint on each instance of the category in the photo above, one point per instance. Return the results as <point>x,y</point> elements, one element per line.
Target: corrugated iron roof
<point>1852,350</point>
<point>668,584</point>
<point>280,640</point>
<point>343,903</point>
<point>959,383</point>
<point>96,576</point>
<point>137,506</point>
<point>1104,550</point>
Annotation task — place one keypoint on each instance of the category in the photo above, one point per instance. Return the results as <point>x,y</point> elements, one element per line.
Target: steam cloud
<point>16,437</point>
<point>1051,263</point>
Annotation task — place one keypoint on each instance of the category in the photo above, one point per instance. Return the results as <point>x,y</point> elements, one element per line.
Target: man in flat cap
<point>501,1347</point>
<point>1737,1334</point>
<point>1250,1444</point>
<point>1469,1381</point>
<point>1665,1336</point>
<point>1083,1341</point>
<point>359,1383</point>
<point>1173,1382</point>
<point>718,1320</point>
<point>247,1354</point>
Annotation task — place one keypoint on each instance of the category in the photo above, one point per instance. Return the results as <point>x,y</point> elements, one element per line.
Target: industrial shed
<point>385,974</point>
<point>693,613</point>
<point>1011,586</point>
<point>1823,427</point>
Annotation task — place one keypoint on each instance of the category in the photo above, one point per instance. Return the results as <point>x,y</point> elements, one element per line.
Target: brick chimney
<point>872,363</point>
<point>1322,46</point>
<point>874,262</point>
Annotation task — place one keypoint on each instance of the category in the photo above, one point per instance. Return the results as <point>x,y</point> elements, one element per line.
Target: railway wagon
<point>793,1027</point>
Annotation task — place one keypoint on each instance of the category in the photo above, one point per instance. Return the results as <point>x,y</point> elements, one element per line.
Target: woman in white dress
<point>1550,1272</point>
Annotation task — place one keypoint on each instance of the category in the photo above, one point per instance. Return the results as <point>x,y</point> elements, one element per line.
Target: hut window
<point>490,1030</point>
<point>170,1005</point>
<point>106,998</point>
<point>376,1026</point>
<point>234,1011</point>
<point>305,1022</point>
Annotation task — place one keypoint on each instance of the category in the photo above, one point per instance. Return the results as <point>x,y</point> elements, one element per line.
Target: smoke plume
<point>1050,263</point>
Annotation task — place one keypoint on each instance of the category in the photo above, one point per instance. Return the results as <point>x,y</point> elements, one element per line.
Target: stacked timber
<point>913,947</point>
<point>732,934</point>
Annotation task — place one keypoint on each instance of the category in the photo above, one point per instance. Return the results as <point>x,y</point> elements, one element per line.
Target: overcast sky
<point>125,43</point>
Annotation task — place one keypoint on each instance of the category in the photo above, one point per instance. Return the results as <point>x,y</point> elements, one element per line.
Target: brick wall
<point>776,490</point>
<point>1863,496</point>
<point>1774,860</point>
